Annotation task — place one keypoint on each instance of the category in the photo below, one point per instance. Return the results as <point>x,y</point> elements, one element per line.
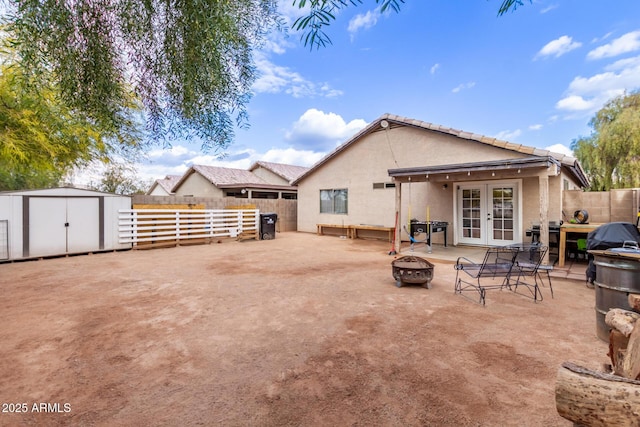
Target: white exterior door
<point>488,213</point>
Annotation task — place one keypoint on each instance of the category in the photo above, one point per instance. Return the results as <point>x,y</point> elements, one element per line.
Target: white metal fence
<point>142,227</point>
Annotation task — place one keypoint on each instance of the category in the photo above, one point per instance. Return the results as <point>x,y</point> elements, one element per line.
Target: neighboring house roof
<point>166,183</point>
<point>395,121</point>
<point>229,178</point>
<point>287,172</point>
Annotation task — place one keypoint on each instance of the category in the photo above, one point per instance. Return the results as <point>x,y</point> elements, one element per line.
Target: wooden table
<point>572,228</point>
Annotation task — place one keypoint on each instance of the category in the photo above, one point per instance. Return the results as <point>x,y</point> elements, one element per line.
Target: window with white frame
<point>334,201</point>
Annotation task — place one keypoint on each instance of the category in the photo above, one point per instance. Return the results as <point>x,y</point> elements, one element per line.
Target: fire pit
<point>412,270</point>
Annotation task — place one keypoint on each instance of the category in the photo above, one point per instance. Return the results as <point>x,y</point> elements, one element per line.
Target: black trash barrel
<point>268,226</point>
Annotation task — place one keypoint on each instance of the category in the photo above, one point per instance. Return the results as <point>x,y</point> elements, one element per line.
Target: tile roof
<point>395,121</point>
<point>167,183</point>
<point>288,172</point>
<point>220,176</point>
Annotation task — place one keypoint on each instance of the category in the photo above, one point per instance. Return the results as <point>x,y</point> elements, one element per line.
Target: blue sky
<point>535,76</point>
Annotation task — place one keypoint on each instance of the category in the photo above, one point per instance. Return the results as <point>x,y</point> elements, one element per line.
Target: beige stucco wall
<point>269,176</point>
<point>197,186</point>
<point>368,160</point>
<point>158,191</point>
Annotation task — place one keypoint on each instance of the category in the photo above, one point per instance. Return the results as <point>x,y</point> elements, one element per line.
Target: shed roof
<point>61,192</point>
<point>391,121</point>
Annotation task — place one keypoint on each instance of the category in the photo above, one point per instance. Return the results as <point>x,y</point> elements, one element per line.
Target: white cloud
<point>561,149</point>
<point>549,8</point>
<point>599,39</point>
<point>321,131</point>
<point>626,43</point>
<point>291,156</point>
<point>589,94</point>
<point>508,135</point>
<point>463,86</point>
<point>624,64</point>
<point>434,68</point>
<point>575,103</point>
<point>363,21</point>
<point>277,79</point>
<point>558,47</point>
<point>537,126</point>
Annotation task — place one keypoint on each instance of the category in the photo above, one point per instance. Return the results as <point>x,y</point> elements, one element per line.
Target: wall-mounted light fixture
<point>445,186</point>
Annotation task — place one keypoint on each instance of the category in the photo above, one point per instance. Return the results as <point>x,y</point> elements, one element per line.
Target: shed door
<point>83,217</point>
<point>59,225</point>
<point>47,231</point>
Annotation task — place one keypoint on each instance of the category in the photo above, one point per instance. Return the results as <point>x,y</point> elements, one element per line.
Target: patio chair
<point>528,263</point>
<point>497,263</point>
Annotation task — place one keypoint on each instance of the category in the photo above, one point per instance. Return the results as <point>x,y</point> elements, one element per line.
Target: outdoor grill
<point>412,270</point>
<point>428,227</point>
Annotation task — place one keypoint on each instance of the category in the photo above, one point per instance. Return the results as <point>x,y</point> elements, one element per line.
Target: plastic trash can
<point>268,226</point>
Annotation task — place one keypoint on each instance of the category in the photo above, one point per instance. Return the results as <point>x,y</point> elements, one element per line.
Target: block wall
<point>603,206</point>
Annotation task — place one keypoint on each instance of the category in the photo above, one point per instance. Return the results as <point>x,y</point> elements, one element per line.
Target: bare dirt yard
<point>298,331</point>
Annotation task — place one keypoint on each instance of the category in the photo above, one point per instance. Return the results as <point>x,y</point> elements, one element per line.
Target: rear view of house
<point>397,169</point>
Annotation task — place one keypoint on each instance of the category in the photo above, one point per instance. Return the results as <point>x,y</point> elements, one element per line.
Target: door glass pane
<point>502,203</point>
<point>471,211</point>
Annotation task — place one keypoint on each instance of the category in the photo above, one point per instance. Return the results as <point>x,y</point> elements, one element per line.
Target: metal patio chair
<point>497,263</point>
<point>528,263</point>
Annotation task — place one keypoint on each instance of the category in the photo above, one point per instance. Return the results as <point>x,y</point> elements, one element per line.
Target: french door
<point>488,213</point>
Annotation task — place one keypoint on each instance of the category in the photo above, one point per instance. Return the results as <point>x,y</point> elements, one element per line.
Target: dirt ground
<point>298,331</point>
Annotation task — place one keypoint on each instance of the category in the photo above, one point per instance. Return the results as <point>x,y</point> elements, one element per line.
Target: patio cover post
<point>396,238</point>
<point>543,184</point>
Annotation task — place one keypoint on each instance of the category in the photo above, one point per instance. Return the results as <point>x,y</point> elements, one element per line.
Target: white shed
<point>59,221</point>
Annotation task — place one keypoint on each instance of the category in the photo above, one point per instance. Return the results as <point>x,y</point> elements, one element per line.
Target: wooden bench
<point>354,231</point>
<point>323,228</point>
<point>375,228</point>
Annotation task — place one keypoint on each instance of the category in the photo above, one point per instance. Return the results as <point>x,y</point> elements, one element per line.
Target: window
<point>383,185</point>
<point>334,201</point>
<point>237,194</point>
<point>264,195</point>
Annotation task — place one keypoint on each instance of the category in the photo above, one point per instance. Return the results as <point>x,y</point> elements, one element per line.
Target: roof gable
<point>391,121</point>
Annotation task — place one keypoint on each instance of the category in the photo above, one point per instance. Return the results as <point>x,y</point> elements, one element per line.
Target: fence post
<point>134,227</point>
<point>177,227</point>
<point>257,214</point>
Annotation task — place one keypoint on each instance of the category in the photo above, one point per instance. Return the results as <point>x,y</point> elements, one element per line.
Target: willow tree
<point>320,14</point>
<point>188,62</point>
<point>42,139</point>
<point>611,154</point>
